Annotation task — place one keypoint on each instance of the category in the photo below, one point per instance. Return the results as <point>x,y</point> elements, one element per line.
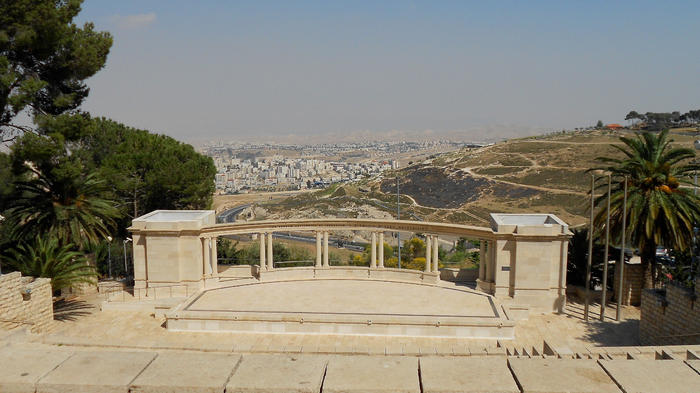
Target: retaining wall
<point>632,285</point>
<point>25,301</point>
<point>670,318</point>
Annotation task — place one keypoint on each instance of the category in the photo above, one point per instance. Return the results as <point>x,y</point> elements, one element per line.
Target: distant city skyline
<point>298,72</point>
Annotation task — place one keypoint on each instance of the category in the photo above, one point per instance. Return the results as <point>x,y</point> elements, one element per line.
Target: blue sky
<point>290,70</point>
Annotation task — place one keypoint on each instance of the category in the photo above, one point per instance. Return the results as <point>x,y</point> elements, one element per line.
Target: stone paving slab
<point>20,369</point>
<point>561,376</point>
<point>96,372</point>
<point>347,374</point>
<point>467,375</point>
<point>278,373</point>
<point>694,364</point>
<point>653,376</point>
<point>186,372</point>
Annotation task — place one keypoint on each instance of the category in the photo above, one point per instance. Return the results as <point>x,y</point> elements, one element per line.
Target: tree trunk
<point>648,265</point>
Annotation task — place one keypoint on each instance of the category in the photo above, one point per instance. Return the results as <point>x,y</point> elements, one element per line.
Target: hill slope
<point>544,174</point>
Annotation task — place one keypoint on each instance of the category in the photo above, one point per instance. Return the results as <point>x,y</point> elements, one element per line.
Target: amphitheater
<point>192,325</point>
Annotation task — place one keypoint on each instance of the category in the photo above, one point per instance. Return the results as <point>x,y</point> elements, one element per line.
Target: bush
<point>46,258</point>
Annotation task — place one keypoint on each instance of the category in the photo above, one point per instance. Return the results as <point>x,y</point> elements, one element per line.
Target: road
<point>230,215</point>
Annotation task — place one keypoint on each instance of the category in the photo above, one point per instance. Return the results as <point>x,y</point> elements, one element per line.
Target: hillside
<point>537,174</point>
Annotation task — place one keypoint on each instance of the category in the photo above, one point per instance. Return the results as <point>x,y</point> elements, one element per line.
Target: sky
<point>324,71</point>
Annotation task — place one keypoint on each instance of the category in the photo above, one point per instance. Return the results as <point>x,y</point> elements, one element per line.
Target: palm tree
<point>659,210</point>
<point>70,208</point>
<point>47,258</point>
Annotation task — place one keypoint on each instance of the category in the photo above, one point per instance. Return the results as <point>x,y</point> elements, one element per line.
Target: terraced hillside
<point>537,174</point>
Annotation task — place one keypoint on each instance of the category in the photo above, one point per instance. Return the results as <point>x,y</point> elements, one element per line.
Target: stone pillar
<point>205,256</point>
<point>325,249</point>
<point>428,252</point>
<point>270,262</point>
<point>380,251</point>
<point>488,261</point>
<point>263,260</point>
<point>434,259</point>
<point>319,255</point>
<point>373,257</point>
<point>214,258</point>
<point>482,259</point>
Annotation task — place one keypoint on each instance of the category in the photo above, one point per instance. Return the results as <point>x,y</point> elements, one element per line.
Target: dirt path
<point>546,189</point>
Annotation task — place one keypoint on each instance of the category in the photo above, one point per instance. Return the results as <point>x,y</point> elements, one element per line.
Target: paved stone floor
<point>348,297</point>
<point>80,322</point>
<point>31,367</point>
<point>117,351</point>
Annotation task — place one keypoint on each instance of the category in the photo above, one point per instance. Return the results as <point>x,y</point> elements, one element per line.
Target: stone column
<point>325,249</point>
<point>380,251</point>
<point>270,262</point>
<point>205,255</point>
<point>428,252</point>
<point>489,261</point>
<point>482,259</point>
<point>434,259</point>
<point>373,257</point>
<point>263,260</point>
<point>214,258</point>
<point>319,255</point>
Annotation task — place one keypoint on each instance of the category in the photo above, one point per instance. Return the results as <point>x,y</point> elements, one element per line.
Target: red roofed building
<point>613,126</point>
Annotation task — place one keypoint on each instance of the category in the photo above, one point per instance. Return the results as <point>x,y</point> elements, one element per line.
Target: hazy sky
<point>287,70</point>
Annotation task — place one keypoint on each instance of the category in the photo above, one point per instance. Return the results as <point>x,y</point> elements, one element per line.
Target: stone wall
<point>670,318</point>
<point>459,275</point>
<point>25,302</point>
<point>632,285</point>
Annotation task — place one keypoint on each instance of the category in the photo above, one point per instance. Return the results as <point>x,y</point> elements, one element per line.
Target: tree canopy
<point>659,210</point>
<point>45,59</point>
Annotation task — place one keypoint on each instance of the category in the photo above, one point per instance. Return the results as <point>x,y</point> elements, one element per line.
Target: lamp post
<point>398,217</point>
<point>2,218</point>
<point>109,255</point>
<point>126,268</point>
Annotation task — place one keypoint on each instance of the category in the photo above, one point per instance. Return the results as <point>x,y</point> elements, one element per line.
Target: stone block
<point>653,376</point>
<point>694,364</point>
<point>348,374</point>
<point>186,372</point>
<point>561,376</point>
<point>21,369</point>
<point>96,372</point>
<point>262,373</point>
<point>466,374</point>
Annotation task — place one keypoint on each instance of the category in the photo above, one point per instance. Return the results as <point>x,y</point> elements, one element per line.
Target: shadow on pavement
<point>70,310</point>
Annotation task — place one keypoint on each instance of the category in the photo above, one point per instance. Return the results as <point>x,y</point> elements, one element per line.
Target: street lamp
<point>126,268</point>
<point>109,255</point>
<point>2,218</point>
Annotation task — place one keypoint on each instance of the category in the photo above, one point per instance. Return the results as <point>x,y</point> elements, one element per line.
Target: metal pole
<point>621,262</point>
<point>590,253</point>
<point>109,258</point>
<point>126,267</point>
<point>605,258</point>
<point>398,217</point>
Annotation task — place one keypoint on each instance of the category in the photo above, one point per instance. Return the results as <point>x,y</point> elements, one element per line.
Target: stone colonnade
<point>523,256</point>
<point>322,259</point>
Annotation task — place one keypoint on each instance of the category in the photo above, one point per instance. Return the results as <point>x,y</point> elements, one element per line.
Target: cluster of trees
<point>229,252</point>
<point>659,210</point>
<point>663,120</point>
<point>70,183</point>
<point>412,255</point>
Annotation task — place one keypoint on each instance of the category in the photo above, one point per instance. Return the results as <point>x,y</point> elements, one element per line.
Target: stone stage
<point>344,306</point>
